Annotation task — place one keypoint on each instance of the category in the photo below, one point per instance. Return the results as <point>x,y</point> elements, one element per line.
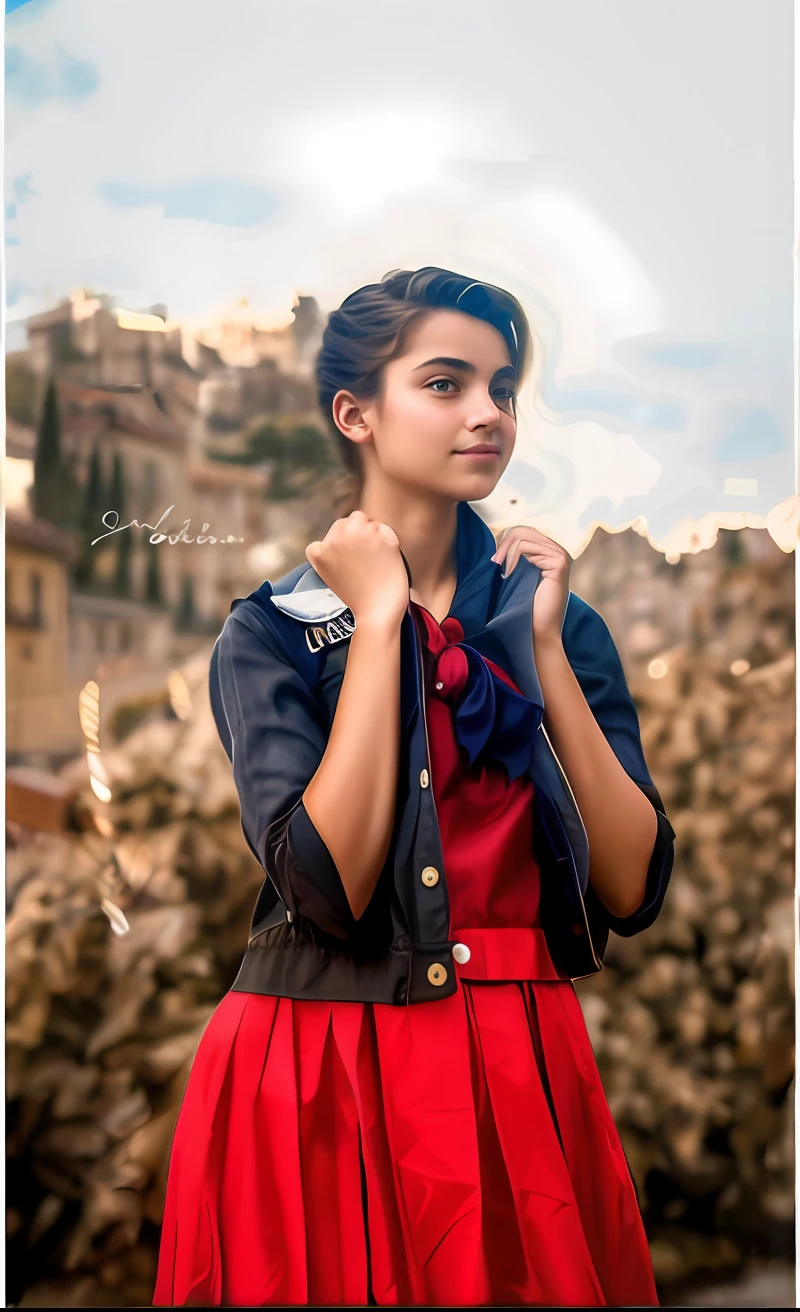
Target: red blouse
<point>485,818</point>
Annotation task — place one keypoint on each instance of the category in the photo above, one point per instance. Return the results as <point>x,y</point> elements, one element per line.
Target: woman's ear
<point>349,417</point>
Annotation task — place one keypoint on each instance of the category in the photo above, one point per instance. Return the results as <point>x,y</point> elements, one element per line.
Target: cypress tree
<point>186,608</point>
<point>56,495</point>
<point>124,542</point>
<point>152,579</point>
<point>91,519</point>
<point>48,463</point>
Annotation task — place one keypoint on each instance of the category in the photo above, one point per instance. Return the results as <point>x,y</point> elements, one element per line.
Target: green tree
<point>153,590</point>
<point>48,465</point>
<point>186,610</point>
<point>56,494</point>
<point>124,541</point>
<point>91,520</point>
<point>20,392</point>
<point>299,455</point>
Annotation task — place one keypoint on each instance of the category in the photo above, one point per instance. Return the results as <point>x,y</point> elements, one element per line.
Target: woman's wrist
<point>548,645</point>
<point>383,624</point>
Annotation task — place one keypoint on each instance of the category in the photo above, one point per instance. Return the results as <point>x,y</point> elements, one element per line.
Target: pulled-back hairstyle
<point>372,324</point>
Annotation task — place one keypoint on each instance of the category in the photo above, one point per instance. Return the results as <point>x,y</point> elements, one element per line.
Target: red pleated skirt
<point>455,1152</point>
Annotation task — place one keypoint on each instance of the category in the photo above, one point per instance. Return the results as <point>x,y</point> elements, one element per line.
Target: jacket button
<point>437,973</point>
<point>423,779</point>
<point>430,876</point>
<point>461,953</point>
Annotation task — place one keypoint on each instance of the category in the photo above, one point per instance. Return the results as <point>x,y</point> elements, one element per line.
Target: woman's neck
<point>427,533</point>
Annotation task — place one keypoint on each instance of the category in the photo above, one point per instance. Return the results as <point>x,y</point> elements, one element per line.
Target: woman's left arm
<point>621,824</point>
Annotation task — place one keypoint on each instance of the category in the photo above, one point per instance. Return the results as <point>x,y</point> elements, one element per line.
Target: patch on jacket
<point>318,635</point>
<point>334,620</point>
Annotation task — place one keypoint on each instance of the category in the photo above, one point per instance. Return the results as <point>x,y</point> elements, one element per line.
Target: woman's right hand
<point>359,559</point>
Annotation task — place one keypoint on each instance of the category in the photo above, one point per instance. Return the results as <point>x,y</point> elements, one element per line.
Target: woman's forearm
<point>620,822</point>
<point>351,798</point>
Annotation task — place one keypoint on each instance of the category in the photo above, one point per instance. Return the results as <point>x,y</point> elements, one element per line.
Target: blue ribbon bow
<point>491,718</point>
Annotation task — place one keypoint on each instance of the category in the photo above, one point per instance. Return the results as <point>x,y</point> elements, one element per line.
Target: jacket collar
<point>496,614</point>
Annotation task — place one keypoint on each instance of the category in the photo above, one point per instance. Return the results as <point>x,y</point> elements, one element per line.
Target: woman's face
<point>454,387</point>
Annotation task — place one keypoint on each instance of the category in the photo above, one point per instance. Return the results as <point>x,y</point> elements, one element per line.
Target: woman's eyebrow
<point>451,362</point>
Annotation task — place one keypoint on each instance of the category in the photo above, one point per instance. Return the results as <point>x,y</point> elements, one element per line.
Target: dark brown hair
<point>372,324</point>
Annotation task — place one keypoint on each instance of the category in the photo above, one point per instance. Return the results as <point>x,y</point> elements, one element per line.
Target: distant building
<point>162,470</point>
<point>241,342</point>
<point>41,717</point>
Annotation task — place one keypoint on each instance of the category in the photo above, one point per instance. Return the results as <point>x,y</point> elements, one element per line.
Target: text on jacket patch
<point>317,635</point>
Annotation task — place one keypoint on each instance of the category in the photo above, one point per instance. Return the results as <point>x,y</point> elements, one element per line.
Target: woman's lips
<point>479,455</point>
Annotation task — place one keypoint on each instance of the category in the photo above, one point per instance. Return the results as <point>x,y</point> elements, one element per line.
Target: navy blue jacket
<point>275,675</point>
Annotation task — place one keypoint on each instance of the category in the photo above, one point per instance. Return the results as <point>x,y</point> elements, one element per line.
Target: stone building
<point>41,718</point>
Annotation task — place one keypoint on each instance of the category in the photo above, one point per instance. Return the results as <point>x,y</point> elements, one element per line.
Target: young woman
<point>440,771</point>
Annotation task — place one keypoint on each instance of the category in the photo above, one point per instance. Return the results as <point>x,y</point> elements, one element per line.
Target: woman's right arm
<point>275,735</point>
<point>351,798</point>
<point>325,859</point>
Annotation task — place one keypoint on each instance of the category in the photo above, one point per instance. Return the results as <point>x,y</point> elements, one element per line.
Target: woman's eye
<point>502,395</point>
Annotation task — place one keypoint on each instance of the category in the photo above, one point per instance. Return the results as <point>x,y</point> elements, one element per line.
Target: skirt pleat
<point>459,1152</point>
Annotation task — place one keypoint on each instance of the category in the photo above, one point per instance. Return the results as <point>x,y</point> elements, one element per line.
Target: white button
<point>423,779</point>
<point>440,685</point>
<point>461,953</point>
<point>289,917</point>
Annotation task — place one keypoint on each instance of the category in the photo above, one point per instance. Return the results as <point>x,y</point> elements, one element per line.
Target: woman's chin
<point>477,483</point>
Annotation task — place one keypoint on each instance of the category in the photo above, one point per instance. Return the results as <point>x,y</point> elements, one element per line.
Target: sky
<point>625,169</point>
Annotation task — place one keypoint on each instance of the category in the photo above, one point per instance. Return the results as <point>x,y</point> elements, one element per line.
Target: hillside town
<point>122,426</point>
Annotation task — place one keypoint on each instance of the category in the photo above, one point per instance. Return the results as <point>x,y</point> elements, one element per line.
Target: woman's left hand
<point>550,599</point>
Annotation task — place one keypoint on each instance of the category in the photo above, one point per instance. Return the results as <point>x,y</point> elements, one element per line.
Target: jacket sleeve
<point>273,733</point>
<point>594,658</point>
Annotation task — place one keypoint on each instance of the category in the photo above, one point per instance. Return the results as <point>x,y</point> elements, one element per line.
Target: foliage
<point>57,495</point>
<point>298,455</point>
<point>20,393</point>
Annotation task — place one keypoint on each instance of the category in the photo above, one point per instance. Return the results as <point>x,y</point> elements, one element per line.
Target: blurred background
<point>187,198</point>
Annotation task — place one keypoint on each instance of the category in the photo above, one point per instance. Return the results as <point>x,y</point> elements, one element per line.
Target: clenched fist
<point>359,559</point>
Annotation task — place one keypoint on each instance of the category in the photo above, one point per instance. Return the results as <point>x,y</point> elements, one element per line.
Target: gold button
<point>437,973</point>
<point>423,779</point>
<point>430,876</point>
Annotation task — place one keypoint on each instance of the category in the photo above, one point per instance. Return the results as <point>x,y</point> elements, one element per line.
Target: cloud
<point>757,435</point>
<point>529,481</point>
<point>109,272</point>
<point>601,402</point>
<point>234,204</point>
<point>22,187</point>
<point>15,291</point>
<point>669,352</point>
<point>32,83</point>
